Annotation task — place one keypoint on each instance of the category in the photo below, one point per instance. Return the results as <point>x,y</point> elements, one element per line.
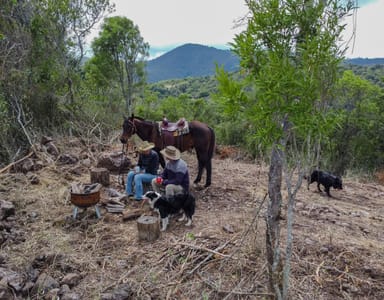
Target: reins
<point>124,151</point>
<point>134,130</point>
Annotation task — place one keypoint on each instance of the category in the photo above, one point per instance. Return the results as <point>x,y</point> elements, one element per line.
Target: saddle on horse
<point>177,128</point>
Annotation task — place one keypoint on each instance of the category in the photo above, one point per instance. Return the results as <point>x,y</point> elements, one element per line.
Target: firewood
<point>76,188</point>
<point>92,188</point>
<point>115,201</point>
<point>110,205</point>
<point>114,210</point>
<point>130,214</point>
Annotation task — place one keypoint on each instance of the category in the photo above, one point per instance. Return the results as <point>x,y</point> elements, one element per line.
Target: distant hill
<point>365,61</point>
<point>190,60</point>
<point>194,60</point>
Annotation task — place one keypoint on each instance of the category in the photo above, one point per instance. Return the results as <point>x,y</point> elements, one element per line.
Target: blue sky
<point>166,24</point>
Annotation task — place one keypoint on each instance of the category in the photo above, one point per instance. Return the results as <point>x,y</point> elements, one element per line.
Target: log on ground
<point>148,228</point>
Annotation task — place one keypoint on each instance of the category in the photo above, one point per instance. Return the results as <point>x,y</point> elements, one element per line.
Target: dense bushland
<point>46,88</point>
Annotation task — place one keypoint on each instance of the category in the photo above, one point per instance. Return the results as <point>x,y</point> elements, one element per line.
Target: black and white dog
<point>181,202</point>
<point>328,180</point>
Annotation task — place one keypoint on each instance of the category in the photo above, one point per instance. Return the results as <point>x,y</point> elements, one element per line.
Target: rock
<point>5,293</point>
<point>106,296</point>
<point>71,279</point>
<point>121,292</point>
<point>6,209</point>
<point>12,279</point>
<point>32,273</point>
<point>27,288</point>
<point>64,289</point>
<point>45,283</point>
<point>86,162</point>
<point>38,165</point>
<point>33,179</point>
<point>52,149</point>
<point>70,296</point>
<point>114,162</point>
<point>45,139</point>
<point>228,228</point>
<point>27,165</point>
<point>308,241</point>
<point>67,159</point>
<point>52,294</point>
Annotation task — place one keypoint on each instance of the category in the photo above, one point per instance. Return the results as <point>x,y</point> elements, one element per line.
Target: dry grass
<point>338,243</point>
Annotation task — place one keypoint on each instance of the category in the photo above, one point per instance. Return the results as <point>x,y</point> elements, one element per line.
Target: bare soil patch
<point>338,242</point>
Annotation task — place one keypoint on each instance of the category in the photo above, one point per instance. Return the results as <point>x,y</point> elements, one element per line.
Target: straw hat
<point>171,152</point>
<point>145,146</point>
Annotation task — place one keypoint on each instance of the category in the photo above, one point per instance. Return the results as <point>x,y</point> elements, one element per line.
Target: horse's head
<point>128,129</point>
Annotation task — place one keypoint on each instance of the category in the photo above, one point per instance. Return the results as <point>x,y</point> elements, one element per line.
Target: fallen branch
<point>209,256</point>
<point>238,293</point>
<point>15,162</point>
<point>204,249</point>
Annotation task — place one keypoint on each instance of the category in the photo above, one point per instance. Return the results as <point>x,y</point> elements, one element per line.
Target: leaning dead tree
<point>273,221</point>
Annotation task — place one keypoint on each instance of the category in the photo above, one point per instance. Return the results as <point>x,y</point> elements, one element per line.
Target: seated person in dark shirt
<point>145,171</point>
<point>175,176</point>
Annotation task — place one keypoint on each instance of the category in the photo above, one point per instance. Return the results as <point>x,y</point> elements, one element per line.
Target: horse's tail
<point>212,143</point>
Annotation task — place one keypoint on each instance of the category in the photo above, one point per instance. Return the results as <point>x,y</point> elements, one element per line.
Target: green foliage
<point>232,104</point>
<point>121,49</point>
<point>358,142</point>
<point>290,53</point>
<point>42,43</point>
<point>289,69</point>
<point>4,129</point>
<point>374,74</point>
<point>173,108</point>
<point>195,87</point>
<point>290,58</point>
<point>190,236</point>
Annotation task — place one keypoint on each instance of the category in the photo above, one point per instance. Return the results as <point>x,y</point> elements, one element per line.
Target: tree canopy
<point>121,46</point>
<point>290,56</point>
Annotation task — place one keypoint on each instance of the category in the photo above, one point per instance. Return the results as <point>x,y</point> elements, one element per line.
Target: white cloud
<point>211,22</point>
<point>369,21</point>
<point>168,22</point>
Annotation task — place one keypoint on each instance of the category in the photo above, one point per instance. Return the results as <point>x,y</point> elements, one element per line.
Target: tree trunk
<point>148,228</point>
<point>273,222</point>
<point>100,175</point>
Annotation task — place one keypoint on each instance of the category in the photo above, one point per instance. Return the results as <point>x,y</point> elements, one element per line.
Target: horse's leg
<point>208,167</point>
<point>200,171</point>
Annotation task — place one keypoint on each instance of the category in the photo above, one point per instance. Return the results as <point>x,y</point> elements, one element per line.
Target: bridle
<point>132,127</point>
<point>129,129</point>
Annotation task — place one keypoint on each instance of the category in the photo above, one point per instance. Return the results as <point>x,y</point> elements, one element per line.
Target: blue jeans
<point>135,182</point>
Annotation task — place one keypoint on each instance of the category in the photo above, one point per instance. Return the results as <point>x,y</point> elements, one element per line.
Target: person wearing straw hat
<point>175,176</point>
<point>144,171</point>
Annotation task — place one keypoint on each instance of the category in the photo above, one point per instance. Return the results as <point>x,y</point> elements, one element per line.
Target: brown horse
<point>200,137</point>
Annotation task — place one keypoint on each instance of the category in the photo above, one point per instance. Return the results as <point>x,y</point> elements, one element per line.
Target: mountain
<point>194,60</point>
<point>190,60</point>
<point>365,61</point>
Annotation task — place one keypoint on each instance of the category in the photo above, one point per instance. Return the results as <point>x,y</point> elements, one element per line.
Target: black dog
<point>167,207</point>
<point>328,180</point>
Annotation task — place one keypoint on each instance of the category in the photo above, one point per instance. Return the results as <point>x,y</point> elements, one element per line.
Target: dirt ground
<point>338,250</point>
